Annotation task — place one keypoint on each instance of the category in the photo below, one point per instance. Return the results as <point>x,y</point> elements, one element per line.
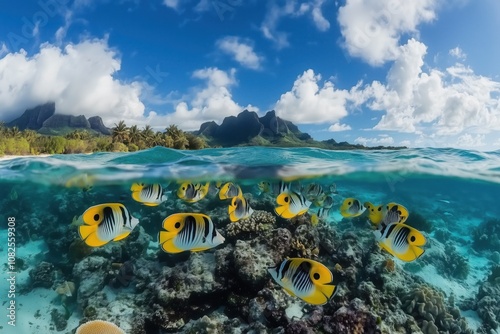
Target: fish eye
<point>177,225</point>
<point>349,203</point>
<point>96,217</point>
<point>316,276</point>
<point>379,208</point>
<point>286,199</point>
<point>412,238</point>
<point>183,188</point>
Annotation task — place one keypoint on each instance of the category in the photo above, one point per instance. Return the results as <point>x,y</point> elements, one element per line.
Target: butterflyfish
<point>188,232</point>
<point>191,193</point>
<point>291,204</point>
<point>390,213</point>
<point>239,209</point>
<point>401,240</point>
<point>306,279</point>
<point>148,194</point>
<point>328,202</point>
<point>229,190</point>
<point>106,222</point>
<point>315,194</point>
<point>351,207</point>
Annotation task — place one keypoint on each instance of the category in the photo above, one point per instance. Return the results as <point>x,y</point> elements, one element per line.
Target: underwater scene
<point>251,240</point>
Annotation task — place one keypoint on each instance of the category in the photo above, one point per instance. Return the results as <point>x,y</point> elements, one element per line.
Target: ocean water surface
<point>174,271</point>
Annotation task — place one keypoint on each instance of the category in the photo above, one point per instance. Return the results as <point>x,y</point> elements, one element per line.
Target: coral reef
<point>429,308</point>
<point>354,318</point>
<point>250,227</point>
<point>486,236</point>
<point>42,275</point>
<point>91,274</point>
<point>488,300</point>
<point>305,241</point>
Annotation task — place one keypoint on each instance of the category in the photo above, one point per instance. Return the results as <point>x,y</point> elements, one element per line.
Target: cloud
<point>3,50</point>
<point>290,8</point>
<point>446,103</point>
<point>468,140</point>
<point>457,53</point>
<point>381,140</point>
<point>308,103</point>
<point>241,51</point>
<point>212,102</point>
<point>372,29</point>
<point>337,127</point>
<point>174,4</point>
<point>80,78</point>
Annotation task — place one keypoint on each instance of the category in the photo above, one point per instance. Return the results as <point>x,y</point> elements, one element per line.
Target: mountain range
<point>44,120</point>
<point>245,129</point>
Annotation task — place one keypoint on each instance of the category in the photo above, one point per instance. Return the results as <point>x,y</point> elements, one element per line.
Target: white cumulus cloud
<point>337,127</point>
<point>371,29</point>
<point>211,102</point>
<point>241,50</point>
<point>447,103</point>
<point>308,103</point>
<point>79,78</point>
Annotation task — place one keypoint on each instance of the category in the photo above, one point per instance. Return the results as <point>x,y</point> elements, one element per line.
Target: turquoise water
<point>451,196</point>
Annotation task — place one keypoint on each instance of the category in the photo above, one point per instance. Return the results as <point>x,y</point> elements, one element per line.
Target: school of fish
<point>306,279</point>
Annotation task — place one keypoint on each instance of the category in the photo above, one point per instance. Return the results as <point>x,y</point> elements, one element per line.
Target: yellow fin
<point>137,187</point>
<point>91,238</point>
<point>121,236</point>
<point>86,230</point>
<point>166,240</point>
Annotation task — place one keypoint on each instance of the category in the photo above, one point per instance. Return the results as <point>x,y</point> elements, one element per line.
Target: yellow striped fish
<point>401,240</point>
<point>239,209</point>
<point>309,280</point>
<point>188,232</point>
<point>191,193</point>
<point>148,194</point>
<point>291,204</point>
<point>106,222</point>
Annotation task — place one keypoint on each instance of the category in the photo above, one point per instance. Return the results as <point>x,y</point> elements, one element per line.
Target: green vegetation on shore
<point>123,139</point>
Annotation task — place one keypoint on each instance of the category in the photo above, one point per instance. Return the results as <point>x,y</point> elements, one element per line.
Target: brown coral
<point>259,221</point>
<point>67,289</point>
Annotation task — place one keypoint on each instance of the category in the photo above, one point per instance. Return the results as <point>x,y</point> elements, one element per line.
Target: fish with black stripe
<point>400,240</point>
<point>306,279</point>
<point>351,207</point>
<point>105,222</point>
<point>291,204</point>
<point>229,190</point>
<point>239,209</point>
<point>148,194</point>
<point>188,232</point>
<point>192,192</point>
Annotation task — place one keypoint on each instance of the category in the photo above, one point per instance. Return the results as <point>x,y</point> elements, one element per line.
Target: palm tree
<point>29,135</point>
<point>134,134</point>
<point>148,135</point>
<point>120,132</point>
<point>14,132</point>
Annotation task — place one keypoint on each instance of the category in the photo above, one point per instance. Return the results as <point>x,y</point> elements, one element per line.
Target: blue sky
<point>399,72</point>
